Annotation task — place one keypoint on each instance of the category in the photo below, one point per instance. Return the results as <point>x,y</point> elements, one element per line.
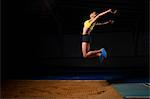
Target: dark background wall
<point>46,33</point>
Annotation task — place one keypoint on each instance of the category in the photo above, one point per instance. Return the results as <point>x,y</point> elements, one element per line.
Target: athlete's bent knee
<point>85,56</point>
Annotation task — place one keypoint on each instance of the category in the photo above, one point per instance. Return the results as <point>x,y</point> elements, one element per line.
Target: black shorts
<point>86,38</point>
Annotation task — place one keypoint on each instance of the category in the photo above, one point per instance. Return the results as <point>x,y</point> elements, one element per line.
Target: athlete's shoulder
<point>86,21</point>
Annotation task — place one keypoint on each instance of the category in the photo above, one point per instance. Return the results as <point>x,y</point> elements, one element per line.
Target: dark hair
<point>93,10</point>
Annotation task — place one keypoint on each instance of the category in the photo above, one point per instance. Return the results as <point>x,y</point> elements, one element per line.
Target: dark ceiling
<point>67,16</point>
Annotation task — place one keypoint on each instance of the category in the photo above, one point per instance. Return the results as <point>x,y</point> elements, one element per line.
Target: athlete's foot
<point>101,57</point>
<point>100,50</point>
<point>104,53</point>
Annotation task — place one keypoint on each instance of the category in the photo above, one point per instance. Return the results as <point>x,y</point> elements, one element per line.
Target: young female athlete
<point>86,39</point>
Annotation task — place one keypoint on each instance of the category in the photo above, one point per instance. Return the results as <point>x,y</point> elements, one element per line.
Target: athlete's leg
<point>87,53</point>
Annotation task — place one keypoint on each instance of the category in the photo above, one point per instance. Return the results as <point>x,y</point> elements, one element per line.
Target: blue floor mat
<point>133,90</point>
<point>78,77</point>
<point>112,78</point>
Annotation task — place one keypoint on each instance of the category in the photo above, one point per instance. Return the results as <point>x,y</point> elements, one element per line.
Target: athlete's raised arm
<point>99,15</point>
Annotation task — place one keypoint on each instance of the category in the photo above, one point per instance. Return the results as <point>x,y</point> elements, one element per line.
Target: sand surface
<point>58,89</point>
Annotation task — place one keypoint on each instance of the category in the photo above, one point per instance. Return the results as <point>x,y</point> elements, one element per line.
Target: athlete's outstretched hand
<point>113,11</point>
<point>111,21</point>
<point>109,10</point>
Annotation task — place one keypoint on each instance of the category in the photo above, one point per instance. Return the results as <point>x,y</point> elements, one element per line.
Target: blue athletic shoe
<point>101,58</point>
<point>104,53</point>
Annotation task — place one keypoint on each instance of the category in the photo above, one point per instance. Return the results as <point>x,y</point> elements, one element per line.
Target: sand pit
<point>59,89</point>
